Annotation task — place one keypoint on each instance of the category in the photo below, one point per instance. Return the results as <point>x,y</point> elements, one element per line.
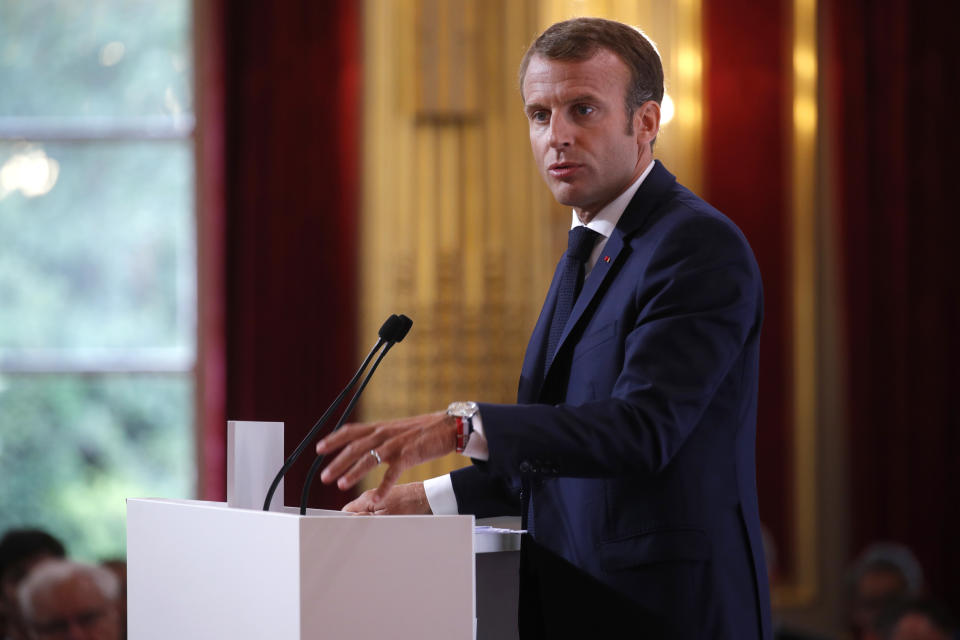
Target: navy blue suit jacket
<point>635,445</point>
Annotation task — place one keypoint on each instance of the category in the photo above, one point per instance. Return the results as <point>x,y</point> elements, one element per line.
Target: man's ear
<point>646,122</point>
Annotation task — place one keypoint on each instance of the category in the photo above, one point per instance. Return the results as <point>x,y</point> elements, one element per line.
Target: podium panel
<point>203,570</point>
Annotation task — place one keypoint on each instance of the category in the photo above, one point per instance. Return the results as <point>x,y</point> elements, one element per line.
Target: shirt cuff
<point>477,444</point>
<point>440,495</point>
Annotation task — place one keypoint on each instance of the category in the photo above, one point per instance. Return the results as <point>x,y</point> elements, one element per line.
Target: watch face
<point>463,409</point>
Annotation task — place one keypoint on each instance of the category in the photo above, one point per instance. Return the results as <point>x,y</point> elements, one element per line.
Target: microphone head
<point>404,328</point>
<point>390,328</point>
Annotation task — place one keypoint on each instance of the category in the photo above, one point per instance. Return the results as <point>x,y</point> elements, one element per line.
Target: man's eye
<point>539,116</point>
<point>583,109</point>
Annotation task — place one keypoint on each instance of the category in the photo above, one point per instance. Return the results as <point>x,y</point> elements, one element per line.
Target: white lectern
<point>207,570</point>
<point>204,570</point>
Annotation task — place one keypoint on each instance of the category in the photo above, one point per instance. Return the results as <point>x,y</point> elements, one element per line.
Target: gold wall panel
<point>458,231</point>
<point>447,48</point>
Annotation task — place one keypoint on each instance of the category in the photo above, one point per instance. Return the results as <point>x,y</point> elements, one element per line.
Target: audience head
<point>118,566</point>
<point>884,575</point>
<point>916,620</point>
<point>20,550</point>
<point>70,600</point>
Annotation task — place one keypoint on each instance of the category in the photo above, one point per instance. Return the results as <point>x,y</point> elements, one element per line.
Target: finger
<point>362,504</point>
<point>343,436</point>
<point>355,473</point>
<point>348,456</point>
<point>359,513</point>
<point>389,480</point>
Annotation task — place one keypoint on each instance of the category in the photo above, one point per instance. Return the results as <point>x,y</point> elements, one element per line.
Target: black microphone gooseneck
<point>387,333</point>
<point>402,328</point>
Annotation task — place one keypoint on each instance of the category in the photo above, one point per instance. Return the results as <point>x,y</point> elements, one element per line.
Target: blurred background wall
<point>206,211</point>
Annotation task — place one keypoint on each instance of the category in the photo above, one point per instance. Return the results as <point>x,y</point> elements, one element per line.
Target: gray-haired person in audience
<point>70,600</point>
<point>884,575</point>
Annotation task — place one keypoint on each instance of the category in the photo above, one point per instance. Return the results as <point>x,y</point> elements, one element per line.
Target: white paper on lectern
<point>254,455</point>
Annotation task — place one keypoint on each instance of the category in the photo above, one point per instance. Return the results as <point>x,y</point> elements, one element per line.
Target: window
<point>97,264</point>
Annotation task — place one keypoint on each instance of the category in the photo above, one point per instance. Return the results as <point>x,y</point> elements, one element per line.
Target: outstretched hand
<point>400,444</point>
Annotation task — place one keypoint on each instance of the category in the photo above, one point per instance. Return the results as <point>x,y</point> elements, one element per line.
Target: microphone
<point>403,326</point>
<point>394,326</point>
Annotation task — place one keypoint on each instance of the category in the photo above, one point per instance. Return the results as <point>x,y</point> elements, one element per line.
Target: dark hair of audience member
<point>20,551</point>
<point>19,546</point>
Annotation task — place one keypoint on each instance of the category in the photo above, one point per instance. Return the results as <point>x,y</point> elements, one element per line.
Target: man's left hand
<point>401,444</point>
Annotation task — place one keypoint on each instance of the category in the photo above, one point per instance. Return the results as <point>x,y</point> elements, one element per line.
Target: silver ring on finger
<point>376,455</point>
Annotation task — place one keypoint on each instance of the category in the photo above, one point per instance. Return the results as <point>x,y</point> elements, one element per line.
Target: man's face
<point>74,609</point>
<point>916,626</point>
<point>580,131</point>
<point>877,590</point>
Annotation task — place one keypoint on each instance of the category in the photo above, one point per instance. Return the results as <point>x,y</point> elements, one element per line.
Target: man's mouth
<point>563,169</point>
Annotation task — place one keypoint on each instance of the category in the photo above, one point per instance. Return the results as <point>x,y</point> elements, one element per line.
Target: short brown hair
<point>579,39</point>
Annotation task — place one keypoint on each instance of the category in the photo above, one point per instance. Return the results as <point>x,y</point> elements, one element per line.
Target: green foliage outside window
<point>73,448</point>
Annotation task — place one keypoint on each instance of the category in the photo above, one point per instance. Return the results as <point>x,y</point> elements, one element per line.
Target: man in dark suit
<point>630,452</point>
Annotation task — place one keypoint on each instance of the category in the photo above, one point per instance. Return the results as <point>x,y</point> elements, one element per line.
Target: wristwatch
<point>463,412</point>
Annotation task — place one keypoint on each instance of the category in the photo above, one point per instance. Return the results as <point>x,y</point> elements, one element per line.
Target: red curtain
<point>893,70</point>
<point>290,117</point>
<point>746,62</point>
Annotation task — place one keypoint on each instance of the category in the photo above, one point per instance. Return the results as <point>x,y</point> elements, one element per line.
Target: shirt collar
<point>607,218</point>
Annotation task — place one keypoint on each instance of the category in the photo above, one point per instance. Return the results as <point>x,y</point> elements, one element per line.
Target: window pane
<point>97,246</point>
<point>72,448</point>
<point>96,58</point>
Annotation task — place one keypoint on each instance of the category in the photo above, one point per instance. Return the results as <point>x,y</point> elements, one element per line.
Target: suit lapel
<point>531,375</point>
<point>645,201</point>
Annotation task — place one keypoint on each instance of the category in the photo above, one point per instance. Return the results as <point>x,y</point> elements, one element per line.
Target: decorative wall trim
<point>802,589</point>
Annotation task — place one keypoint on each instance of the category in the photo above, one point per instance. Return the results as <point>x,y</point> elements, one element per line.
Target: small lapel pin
<point>606,258</point>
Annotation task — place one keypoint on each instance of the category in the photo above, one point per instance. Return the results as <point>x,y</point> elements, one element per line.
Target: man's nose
<point>561,133</point>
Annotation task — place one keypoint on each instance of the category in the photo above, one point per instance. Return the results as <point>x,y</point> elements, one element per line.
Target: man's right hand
<point>403,499</point>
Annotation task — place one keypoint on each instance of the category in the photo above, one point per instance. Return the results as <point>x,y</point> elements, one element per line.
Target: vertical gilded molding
<point>687,68</point>
<point>801,591</point>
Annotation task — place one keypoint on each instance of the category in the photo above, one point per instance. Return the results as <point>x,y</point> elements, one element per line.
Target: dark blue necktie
<point>580,244</point>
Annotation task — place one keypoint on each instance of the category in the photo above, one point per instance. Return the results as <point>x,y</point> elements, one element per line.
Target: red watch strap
<point>461,436</point>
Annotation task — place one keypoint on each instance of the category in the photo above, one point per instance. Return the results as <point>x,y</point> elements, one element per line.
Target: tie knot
<point>580,243</point>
